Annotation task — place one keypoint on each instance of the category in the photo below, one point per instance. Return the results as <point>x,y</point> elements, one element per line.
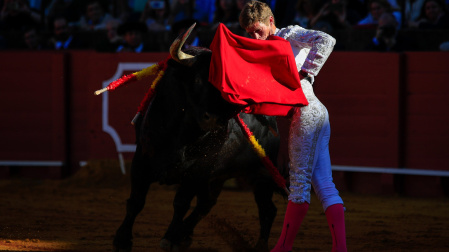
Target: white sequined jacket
<point>311,48</point>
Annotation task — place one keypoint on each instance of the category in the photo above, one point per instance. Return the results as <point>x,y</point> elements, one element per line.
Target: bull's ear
<point>176,52</point>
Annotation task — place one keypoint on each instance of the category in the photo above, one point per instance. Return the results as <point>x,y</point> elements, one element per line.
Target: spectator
<point>386,39</point>
<point>33,39</point>
<point>133,35</point>
<point>63,36</point>
<point>17,14</point>
<point>123,10</point>
<point>204,11</point>
<point>35,4</point>
<point>155,15</point>
<point>112,31</point>
<point>412,10</point>
<point>239,30</point>
<point>394,5</point>
<point>336,15</point>
<point>70,9</point>
<point>434,15</point>
<point>359,6</point>
<point>226,12</point>
<point>111,41</point>
<point>137,5</point>
<point>305,11</point>
<point>376,8</point>
<point>241,4</point>
<point>444,46</point>
<point>181,27</point>
<point>57,8</point>
<point>95,17</point>
<point>200,10</point>
<point>284,12</point>
<point>181,9</point>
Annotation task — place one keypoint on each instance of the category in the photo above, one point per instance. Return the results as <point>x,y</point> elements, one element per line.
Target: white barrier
<point>404,171</point>
<point>30,163</point>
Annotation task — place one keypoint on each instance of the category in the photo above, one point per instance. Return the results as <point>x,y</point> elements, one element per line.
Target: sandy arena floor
<point>82,213</point>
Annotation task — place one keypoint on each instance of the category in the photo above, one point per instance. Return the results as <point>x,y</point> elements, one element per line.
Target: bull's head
<point>210,111</point>
<point>188,118</point>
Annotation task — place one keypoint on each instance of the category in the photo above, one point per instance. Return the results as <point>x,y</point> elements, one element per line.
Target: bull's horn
<point>175,49</point>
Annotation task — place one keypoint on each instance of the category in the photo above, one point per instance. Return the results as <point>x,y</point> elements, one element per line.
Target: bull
<point>188,137</point>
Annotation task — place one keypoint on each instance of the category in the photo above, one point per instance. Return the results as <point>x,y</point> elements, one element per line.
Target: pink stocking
<point>336,220</point>
<point>294,215</point>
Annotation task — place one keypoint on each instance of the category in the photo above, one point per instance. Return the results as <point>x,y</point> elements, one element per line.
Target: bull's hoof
<point>168,246</point>
<point>165,244</point>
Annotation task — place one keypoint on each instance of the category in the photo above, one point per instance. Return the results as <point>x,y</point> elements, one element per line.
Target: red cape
<point>258,74</point>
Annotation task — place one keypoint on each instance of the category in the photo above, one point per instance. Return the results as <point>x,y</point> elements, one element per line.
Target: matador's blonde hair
<point>255,11</point>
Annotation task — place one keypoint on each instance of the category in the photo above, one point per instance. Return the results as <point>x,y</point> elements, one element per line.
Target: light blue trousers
<point>310,163</point>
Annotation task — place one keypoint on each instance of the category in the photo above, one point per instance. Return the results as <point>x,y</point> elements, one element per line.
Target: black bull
<point>188,137</point>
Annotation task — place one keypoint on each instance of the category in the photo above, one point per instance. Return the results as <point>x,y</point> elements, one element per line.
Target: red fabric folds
<point>258,74</point>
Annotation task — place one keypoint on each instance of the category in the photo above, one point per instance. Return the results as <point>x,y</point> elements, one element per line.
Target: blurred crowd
<point>151,25</point>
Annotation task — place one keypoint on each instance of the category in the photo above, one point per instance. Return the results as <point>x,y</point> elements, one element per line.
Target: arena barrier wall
<point>33,111</point>
<point>387,110</point>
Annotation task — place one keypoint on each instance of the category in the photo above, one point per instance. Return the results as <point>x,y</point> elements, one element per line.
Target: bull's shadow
<point>188,137</point>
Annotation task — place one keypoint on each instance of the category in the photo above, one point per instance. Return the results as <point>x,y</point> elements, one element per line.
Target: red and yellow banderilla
<point>158,69</point>
<point>274,172</point>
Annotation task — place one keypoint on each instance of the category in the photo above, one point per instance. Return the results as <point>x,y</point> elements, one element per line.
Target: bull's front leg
<point>179,234</point>
<point>175,236</point>
<point>263,194</point>
<point>207,196</point>
<point>140,183</point>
